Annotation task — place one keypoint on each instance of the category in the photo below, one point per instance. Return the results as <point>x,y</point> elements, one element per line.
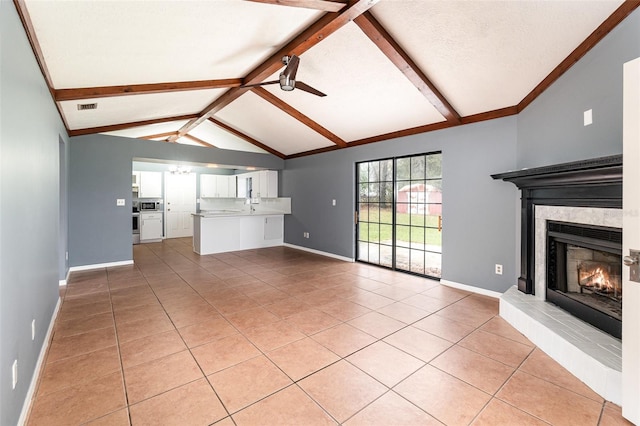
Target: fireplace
<point>584,273</point>
<point>567,210</point>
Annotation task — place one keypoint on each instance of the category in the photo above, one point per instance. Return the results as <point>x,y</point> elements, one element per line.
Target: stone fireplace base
<point>591,355</point>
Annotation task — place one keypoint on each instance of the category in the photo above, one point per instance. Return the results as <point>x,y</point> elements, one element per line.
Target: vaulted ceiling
<point>177,71</point>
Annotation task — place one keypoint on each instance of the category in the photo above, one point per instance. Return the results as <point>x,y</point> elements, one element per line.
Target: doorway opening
<point>399,213</point>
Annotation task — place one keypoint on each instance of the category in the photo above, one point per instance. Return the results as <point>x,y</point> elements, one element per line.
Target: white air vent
<point>82,107</point>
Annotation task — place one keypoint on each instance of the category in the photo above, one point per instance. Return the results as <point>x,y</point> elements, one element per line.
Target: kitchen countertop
<point>234,213</point>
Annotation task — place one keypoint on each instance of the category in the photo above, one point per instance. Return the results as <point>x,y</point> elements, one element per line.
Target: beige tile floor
<point>282,337</point>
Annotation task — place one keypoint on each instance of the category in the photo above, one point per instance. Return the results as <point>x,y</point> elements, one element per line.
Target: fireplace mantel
<point>587,183</point>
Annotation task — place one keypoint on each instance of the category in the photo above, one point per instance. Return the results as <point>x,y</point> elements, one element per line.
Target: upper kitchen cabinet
<point>226,186</point>
<point>208,186</point>
<point>150,185</point>
<point>135,181</point>
<point>268,184</point>
<point>217,186</point>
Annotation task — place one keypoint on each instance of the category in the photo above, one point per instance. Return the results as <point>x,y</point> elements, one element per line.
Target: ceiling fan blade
<point>306,88</point>
<point>264,83</point>
<point>292,68</point>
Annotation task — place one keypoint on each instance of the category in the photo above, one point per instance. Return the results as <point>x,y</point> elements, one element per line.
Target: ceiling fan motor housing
<point>287,84</point>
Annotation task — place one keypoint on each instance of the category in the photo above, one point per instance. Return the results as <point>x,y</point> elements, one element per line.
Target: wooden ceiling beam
<point>314,34</point>
<point>285,107</point>
<point>21,8</point>
<point>245,137</point>
<point>27,24</point>
<point>594,38</point>
<point>123,126</point>
<point>157,136</point>
<point>312,152</point>
<point>142,89</point>
<point>381,38</point>
<point>198,140</point>
<point>325,5</point>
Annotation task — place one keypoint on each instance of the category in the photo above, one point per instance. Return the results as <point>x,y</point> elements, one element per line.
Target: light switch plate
<point>14,374</point>
<point>120,202</point>
<point>588,117</point>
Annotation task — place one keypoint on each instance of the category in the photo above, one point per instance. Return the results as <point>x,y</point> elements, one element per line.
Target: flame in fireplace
<point>599,279</point>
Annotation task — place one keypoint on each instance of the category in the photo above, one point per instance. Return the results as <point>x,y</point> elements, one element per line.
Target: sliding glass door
<point>399,213</point>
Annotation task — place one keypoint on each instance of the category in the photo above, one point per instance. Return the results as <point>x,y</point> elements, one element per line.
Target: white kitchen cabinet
<point>208,186</point>
<point>231,183</point>
<point>135,181</point>
<point>226,186</point>
<point>150,226</point>
<point>217,186</point>
<point>268,184</point>
<point>220,234</point>
<point>150,185</point>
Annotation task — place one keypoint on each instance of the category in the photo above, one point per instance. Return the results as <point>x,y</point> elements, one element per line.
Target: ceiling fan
<point>288,78</point>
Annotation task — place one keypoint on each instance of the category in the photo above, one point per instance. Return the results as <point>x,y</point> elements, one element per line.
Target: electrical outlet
<point>33,329</point>
<point>14,374</point>
<point>305,235</point>
<point>66,255</point>
<point>498,269</point>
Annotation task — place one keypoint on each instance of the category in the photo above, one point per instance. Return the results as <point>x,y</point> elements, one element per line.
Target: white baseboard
<point>100,265</point>
<point>471,289</point>
<point>321,253</point>
<point>66,279</point>
<point>26,406</point>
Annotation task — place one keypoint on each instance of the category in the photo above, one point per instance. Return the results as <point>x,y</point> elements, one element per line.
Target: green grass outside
<point>375,225</point>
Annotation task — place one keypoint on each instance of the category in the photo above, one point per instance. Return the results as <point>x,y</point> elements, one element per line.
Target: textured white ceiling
<point>482,56</point>
<point>222,139</point>
<point>486,55</point>
<point>102,43</point>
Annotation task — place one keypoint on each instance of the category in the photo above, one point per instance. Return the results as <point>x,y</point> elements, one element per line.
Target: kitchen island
<point>231,230</point>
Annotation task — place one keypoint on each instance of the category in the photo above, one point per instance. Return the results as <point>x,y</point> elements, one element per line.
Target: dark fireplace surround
<point>587,183</point>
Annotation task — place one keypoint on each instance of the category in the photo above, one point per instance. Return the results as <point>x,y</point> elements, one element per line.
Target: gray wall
<point>63,230</point>
<point>100,172</point>
<point>551,129</point>
<point>30,128</point>
<point>479,214</point>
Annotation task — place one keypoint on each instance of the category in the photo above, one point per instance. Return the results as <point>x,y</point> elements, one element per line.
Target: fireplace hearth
<point>584,273</point>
